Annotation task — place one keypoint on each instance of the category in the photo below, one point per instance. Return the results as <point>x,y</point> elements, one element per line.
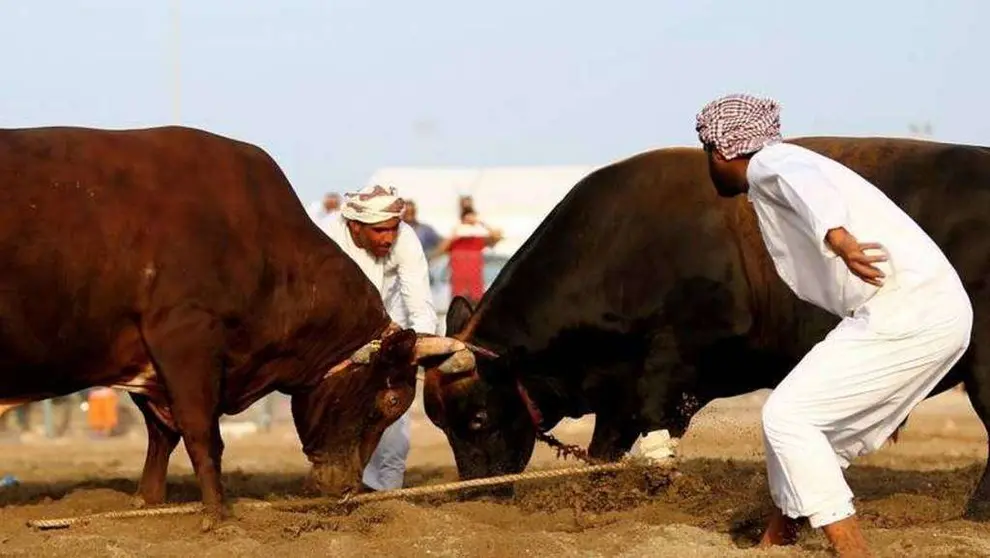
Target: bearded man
<point>369,228</point>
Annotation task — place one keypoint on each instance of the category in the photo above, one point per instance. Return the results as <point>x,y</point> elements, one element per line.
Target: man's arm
<point>812,195</point>
<point>414,282</point>
<point>853,254</point>
<point>494,235</point>
<point>820,204</point>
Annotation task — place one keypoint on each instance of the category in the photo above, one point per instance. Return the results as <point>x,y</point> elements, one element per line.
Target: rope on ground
<point>187,509</point>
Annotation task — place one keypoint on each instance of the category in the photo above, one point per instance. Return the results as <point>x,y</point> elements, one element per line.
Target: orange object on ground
<point>102,413</point>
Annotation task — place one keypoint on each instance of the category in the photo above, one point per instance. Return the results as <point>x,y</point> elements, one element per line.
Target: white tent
<point>513,199</point>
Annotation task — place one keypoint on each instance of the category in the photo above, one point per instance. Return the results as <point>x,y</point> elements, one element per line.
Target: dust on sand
<point>910,497</point>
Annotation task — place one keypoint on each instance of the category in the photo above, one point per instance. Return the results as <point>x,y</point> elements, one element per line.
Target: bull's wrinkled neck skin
<point>352,306</point>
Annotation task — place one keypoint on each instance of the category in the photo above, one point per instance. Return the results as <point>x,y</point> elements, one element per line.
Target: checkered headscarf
<point>739,124</point>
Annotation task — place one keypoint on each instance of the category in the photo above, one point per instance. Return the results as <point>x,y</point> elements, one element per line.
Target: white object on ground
<point>655,445</point>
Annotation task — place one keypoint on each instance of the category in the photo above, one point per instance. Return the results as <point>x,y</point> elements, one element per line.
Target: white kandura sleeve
<point>414,282</point>
<point>813,196</point>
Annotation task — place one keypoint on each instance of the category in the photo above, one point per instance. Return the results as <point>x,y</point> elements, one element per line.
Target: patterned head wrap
<point>739,124</point>
<point>372,204</point>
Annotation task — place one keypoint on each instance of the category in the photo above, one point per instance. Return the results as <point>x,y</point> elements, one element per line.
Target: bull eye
<point>393,400</point>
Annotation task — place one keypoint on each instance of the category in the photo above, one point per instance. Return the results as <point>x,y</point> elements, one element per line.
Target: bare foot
<point>847,539</point>
<point>781,531</point>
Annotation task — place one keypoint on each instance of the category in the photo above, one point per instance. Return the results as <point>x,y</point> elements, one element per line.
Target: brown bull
<point>180,266</point>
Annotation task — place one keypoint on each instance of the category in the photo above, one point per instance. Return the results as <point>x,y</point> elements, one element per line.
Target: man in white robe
<point>369,228</point>
<point>906,318</point>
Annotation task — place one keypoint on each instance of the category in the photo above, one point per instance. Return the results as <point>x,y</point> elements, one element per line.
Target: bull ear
<point>458,313</point>
<point>397,349</point>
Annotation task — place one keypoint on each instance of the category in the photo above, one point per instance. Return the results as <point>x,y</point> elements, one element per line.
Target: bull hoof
<point>310,487</point>
<point>977,510</point>
<point>210,523</point>
<point>497,493</point>
<point>139,501</point>
<point>213,518</point>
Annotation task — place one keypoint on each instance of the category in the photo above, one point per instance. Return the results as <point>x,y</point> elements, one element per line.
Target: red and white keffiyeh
<point>739,124</point>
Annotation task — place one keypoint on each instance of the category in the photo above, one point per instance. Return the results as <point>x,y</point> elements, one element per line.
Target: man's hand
<point>854,256</point>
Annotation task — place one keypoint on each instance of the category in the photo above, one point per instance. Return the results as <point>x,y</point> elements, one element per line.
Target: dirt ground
<point>910,497</point>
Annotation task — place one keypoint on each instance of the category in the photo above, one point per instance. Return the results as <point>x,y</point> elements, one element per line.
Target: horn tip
<point>461,361</point>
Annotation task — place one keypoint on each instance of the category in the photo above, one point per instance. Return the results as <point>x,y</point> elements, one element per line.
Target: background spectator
<point>428,236</point>
<point>466,247</point>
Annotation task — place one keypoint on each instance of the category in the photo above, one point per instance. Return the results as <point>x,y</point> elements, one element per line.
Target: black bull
<point>643,296</point>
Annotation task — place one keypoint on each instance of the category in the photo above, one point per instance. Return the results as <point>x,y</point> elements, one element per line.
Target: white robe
<point>893,345</point>
<point>402,279</point>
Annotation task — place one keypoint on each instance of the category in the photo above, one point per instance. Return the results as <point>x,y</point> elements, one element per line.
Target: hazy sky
<point>334,90</point>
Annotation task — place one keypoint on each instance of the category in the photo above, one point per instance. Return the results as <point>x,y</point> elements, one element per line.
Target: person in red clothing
<point>465,247</point>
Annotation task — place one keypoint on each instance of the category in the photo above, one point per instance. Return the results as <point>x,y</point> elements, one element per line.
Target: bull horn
<point>363,355</point>
<point>481,350</point>
<point>341,366</point>
<point>436,346</point>
<point>460,361</point>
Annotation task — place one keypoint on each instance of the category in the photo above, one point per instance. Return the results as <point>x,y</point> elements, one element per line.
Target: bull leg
<point>612,438</point>
<point>974,369</point>
<point>161,442</point>
<point>977,384</point>
<point>184,348</point>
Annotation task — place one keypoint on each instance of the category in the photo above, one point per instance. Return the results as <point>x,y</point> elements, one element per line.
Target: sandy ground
<point>910,497</point>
